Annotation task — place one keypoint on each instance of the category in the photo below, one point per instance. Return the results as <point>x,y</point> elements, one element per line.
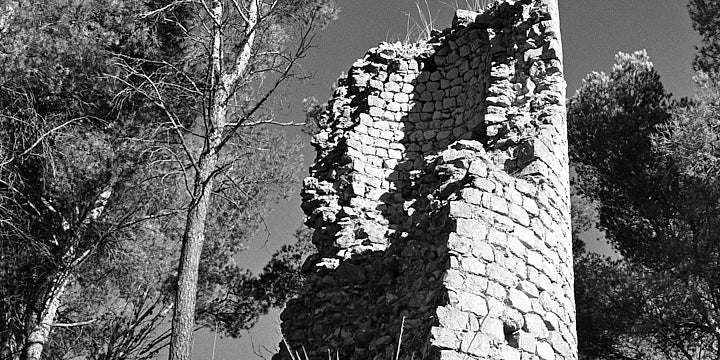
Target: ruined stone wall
<point>440,199</point>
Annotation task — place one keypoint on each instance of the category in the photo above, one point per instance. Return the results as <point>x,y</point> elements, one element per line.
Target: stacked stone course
<point>440,199</point>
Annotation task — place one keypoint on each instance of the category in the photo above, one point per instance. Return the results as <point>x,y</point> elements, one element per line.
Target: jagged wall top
<point>494,77</point>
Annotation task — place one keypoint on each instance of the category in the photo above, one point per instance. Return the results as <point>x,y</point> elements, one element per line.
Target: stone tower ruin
<point>440,199</point>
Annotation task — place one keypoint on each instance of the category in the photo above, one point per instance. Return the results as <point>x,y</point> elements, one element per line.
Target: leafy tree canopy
<point>94,183</point>
<point>649,165</point>
<point>705,15</point>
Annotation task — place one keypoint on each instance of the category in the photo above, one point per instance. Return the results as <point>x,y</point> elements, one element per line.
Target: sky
<point>593,31</point>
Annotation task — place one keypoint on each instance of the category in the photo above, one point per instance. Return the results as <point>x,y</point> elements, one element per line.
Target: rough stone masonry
<point>440,199</point>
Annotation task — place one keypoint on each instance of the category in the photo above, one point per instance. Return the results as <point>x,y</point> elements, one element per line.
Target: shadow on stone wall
<point>380,189</point>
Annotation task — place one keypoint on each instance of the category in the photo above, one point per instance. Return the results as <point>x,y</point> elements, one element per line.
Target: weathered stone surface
<point>544,351</point>
<point>444,338</point>
<point>475,343</point>
<point>452,318</point>
<point>535,325</point>
<point>439,199</point>
<point>519,300</point>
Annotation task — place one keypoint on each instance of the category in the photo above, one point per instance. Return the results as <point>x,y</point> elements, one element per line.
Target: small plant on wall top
<point>420,25</point>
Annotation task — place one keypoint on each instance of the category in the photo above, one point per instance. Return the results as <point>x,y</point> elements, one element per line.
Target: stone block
<point>472,196</point>
<point>508,352</point>
<point>473,265</point>
<point>376,112</point>
<point>501,275</point>
<point>519,300</point>
<point>460,209</point>
<point>479,169</point>
<point>513,195</point>
<point>526,342</point>
<point>376,84</point>
<point>454,279</point>
<point>464,18</point>
<point>544,282</point>
<point>516,247</point>
<point>475,343</point>
<point>395,154</point>
<point>449,103</point>
<point>497,237</point>
<point>535,325</point>
<point>525,187</point>
<point>472,303</point>
<point>397,77</point>
<point>366,119</point>
<point>391,164</point>
<point>493,328</point>
<point>473,229</point>
<point>526,236</point>
<point>544,351</point>
<point>387,96</point>
<point>458,243</point>
<point>387,135</point>
<point>392,86</point>
<point>450,317</point>
<point>429,134</point>
<point>559,344</point>
<point>552,321</point>
<point>494,119</point>
<point>519,214</point>
<point>376,101</point>
<point>444,338</point>
<point>498,205</point>
<point>530,206</point>
<point>392,107</point>
<point>483,250</point>
<point>401,97</point>
<point>495,290</point>
<point>449,355</point>
<point>529,289</point>
<point>477,284</point>
<point>484,184</point>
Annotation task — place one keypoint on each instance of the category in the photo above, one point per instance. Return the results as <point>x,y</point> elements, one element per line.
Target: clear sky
<point>593,31</point>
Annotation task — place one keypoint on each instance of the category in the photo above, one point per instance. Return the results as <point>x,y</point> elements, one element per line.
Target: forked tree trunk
<point>221,84</point>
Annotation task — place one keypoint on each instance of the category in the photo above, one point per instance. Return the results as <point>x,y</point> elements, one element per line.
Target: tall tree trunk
<point>183,322</point>
<point>39,331</point>
<point>221,84</point>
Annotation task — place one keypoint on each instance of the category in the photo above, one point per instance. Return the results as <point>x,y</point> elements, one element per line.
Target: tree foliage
<point>705,15</point>
<point>649,166</point>
<point>95,178</point>
<point>611,120</point>
<point>207,93</point>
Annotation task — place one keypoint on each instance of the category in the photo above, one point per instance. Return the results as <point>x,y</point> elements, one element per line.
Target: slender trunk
<point>183,322</point>
<point>221,84</point>
<point>39,332</point>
